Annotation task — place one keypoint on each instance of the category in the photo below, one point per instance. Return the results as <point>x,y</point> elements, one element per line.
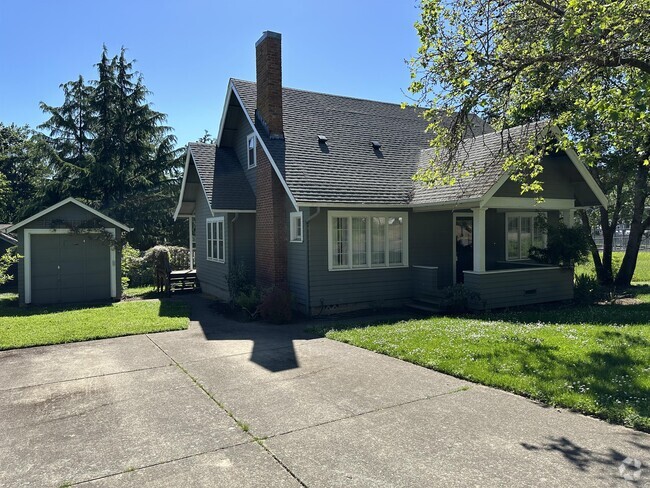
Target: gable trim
<point>8,239</point>
<point>61,204</point>
<point>182,193</point>
<point>582,169</point>
<point>266,151</point>
<point>575,159</point>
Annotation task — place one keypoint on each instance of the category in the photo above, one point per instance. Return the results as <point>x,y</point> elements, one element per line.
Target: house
<point>313,192</point>
<point>70,254</point>
<point>7,241</point>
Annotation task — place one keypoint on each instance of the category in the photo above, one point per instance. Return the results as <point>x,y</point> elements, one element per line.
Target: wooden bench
<point>183,280</point>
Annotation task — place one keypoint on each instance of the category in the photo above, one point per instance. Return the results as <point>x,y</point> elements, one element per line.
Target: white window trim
<point>248,154</point>
<point>27,270</point>
<point>331,215</point>
<point>523,214</point>
<point>295,221</point>
<point>208,222</point>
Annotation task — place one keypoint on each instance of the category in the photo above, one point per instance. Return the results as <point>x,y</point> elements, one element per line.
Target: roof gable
<point>74,201</point>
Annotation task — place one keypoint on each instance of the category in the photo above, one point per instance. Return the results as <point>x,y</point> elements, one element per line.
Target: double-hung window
<point>251,147</point>
<point>360,240</point>
<point>216,240</point>
<point>523,231</point>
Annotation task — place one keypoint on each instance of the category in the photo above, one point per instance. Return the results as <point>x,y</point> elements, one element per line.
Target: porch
<point>489,255</point>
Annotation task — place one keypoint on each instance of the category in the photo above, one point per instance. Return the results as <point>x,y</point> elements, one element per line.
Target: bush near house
<point>137,266</point>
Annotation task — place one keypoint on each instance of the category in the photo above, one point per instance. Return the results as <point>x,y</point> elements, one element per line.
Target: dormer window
<point>251,144</point>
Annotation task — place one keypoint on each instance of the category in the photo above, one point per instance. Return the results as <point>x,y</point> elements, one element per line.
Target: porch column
<point>479,239</point>
<point>568,217</point>
<point>191,228</point>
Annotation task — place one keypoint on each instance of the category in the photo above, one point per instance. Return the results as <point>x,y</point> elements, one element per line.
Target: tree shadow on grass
<point>607,382</point>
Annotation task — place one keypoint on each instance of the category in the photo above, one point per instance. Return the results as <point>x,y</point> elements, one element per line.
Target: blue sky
<point>187,50</point>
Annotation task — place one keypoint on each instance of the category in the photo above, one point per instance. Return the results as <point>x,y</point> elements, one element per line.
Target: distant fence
<point>620,243</point>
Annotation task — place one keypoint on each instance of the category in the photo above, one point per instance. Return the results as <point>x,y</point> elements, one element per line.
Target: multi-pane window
<point>523,232</point>
<point>215,240</point>
<point>367,240</point>
<point>251,145</point>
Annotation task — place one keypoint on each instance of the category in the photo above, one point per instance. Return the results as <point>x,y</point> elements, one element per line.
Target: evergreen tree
<point>108,146</point>
<point>21,172</point>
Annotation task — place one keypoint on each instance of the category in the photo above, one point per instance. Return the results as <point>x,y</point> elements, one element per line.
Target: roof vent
<point>322,139</point>
<point>375,145</point>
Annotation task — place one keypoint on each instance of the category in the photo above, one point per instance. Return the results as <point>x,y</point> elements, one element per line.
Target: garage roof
<point>17,226</point>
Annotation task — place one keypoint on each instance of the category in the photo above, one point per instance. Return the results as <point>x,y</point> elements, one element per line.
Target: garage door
<point>69,268</point>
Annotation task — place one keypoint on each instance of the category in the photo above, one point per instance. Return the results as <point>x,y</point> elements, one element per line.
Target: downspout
<point>311,217</point>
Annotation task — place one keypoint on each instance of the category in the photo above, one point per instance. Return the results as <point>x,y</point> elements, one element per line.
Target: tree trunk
<point>595,255</point>
<point>607,277</point>
<point>637,227</point>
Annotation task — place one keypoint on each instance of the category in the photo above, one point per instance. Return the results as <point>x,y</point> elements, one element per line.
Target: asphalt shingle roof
<point>478,165</point>
<point>347,169</point>
<point>233,191</point>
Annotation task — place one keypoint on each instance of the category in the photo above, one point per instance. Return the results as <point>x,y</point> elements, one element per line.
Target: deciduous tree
<point>582,65</point>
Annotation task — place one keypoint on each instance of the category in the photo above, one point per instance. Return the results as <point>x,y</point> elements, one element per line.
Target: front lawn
<point>35,326</point>
<point>592,359</point>
<point>641,272</point>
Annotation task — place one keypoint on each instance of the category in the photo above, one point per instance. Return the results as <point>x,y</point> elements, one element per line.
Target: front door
<point>463,225</point>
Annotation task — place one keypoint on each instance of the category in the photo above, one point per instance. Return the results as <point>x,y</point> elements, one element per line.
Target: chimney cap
<point>265,34</point>
<point>322,139</point>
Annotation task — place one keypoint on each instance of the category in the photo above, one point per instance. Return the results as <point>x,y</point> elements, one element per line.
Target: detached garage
<point>70,254</point>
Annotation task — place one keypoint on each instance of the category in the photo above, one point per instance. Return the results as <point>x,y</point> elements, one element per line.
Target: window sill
<point>369,268</point>
<point>213,260</point>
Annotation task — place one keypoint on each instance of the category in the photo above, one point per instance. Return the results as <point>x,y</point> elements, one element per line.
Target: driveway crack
<point>240,423</point>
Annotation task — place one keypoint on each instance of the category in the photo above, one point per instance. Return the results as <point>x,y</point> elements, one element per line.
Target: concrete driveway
<point>230,404</point>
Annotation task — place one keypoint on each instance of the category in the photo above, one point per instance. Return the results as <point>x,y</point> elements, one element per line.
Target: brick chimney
<point>272,214</point>
<point>268,52</point>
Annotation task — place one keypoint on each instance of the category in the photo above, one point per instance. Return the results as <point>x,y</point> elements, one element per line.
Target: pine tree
<point>111,148</point>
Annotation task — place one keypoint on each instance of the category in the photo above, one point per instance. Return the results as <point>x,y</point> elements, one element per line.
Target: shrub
<point>565,246</point>
<point>238,281</point>
<point>137,266</point>
<point>586,289</point>
<point>276,306</point>
<point>457,298</point>
<point>130,258</point>
<point>249,301</point>
<point>7,260</point>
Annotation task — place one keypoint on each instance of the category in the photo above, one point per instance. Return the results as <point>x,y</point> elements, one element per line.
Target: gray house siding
<point>431,243</point>
<point>525,287</point>
<point>242,232</point>
<point>298,267</point>
<point>211,275</point>
<point>240,148</point>
<point>336,291</point>
<point>556,179</point>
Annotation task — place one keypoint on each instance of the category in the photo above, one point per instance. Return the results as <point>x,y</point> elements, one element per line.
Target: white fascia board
<point>266,151</point>
<point>225,111</point>
<point>529,203</point>
<point>40,214</point>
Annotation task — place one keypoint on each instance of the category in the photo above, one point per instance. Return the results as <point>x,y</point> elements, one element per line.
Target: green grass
<point>592,359</point>
<point>141,292</point>
<point>35,326</point>
<point>641,272</point>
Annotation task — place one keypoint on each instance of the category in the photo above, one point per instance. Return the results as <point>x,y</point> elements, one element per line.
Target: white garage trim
<point>28,258</point>
<point>97,213</point>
